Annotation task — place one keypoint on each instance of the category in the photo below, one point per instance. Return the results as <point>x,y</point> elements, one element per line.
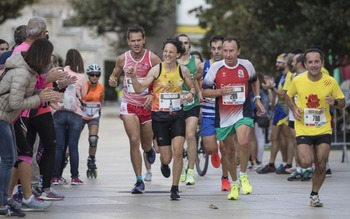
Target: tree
<point>116,15</point>
<point>270,27</point>
<point>11,8</point>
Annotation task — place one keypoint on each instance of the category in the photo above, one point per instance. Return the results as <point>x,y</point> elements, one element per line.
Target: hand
<point>56,74</point>
<point>131,70</point>
<point>48,95</point>
<point>260,107</point>
<point>113,81</point>
<point>148,102</point>
<point>297,113</point>
<point>330,100</point>
<point>64,82</point>
<point>268,82</point>
<point>189,97</point>
<point>227,90</point>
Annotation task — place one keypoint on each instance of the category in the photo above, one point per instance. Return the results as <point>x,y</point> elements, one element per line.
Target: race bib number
<point>131,89</point>
<point>170,102</point>
<point>184,101</point>
<point>236,98</point>
<point>91,109</point>
<point>314,117</point>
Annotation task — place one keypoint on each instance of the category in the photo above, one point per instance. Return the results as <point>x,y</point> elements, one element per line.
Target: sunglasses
<point>94,75</point>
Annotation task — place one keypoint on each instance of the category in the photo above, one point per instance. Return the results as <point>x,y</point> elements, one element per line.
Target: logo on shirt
<point>312,101</point>
<point>240,73</point>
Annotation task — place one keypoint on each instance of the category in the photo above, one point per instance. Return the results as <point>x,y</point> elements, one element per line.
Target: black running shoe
<point>165,170</point>
<point>10,212</point>
<point>174,195</point>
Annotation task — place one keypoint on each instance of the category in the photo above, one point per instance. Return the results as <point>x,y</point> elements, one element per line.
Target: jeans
<point>70,123</point>
<point>8,154</point>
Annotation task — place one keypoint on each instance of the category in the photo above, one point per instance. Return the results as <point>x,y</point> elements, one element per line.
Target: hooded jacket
<point>20,81</point>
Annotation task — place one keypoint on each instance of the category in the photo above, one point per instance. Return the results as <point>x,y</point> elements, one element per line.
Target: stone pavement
<point>109,196</point>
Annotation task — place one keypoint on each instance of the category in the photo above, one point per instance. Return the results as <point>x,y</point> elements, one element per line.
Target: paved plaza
<point>109,196</point>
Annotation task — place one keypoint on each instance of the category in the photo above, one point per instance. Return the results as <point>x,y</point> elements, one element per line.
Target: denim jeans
<point>8,154</point>
<point>70,123</point>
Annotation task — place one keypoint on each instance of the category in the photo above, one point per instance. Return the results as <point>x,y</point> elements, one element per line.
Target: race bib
<point>170,102</point>
<point>184,101</point>
<point>314,117</point>
<point>236,98</point>
<point>91,109</point>
<point>130,88</point>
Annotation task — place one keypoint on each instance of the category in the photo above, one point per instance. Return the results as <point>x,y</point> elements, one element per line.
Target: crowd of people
<point>45,106</point>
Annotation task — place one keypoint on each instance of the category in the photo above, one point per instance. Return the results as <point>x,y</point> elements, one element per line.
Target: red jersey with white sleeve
<point>231,108</point>
<point>142,68</point>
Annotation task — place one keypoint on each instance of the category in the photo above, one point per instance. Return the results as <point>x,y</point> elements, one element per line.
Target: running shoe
<point>10,212</point>
<point>76,181</point>
<point>36,190</point>
<point>189,177</point>
<point>183,176</point>
<point>63,181</point>
<point>282,170</point>
<point>329,173</point>
<point>315,201</point>
<point>174,195</point>
<point>14,204</point>
<point>307,174</point>
<point>139,187</point>
<point>225,184</point>
<point>234,193</point>
<point>148,176</point>
<point>151,156</point>
<point>267,169</point>
<point>165,170</point>
<point>55,181</point>
<point>215,160</point>
<point>295,176</point>
<point>245,185</point>
<point>51,195</point>
<point>35,204</point>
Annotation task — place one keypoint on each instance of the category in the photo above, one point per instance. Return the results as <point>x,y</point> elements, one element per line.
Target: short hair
<point>176,43</point>
<point>215,39</point>
<point>135,29</point>
<point>35,27</point>
<point>2,41</point>
<point>198,54</point>
<point>230,39</point>
<point>314,50</point>
<point>75,61</point>
<point>20,34</point>
<point>38,56</point>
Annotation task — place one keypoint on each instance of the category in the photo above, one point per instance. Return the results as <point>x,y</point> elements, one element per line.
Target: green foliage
<point>11,8</point>
<point>118,15</point>
<point>270,27</point>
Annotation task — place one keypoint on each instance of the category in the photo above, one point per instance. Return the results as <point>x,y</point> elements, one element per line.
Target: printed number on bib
<point>236,98</point>
<point>91,109</point>
<point>314,117</point>
<point>170,102</point>
<point>131,89</point>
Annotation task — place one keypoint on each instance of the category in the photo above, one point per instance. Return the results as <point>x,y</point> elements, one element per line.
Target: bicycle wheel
<point>202,159</point>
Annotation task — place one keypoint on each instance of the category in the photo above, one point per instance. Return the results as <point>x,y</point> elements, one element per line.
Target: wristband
<point>256,97</point>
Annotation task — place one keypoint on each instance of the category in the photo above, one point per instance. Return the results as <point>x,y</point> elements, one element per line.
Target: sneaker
<point>148,176</point>
<point>165,170</point>
<point>245,185</point>
<point>76,181</point>
<point>307,174</point>
<point>257,167</point>
<point>189,177</point>
<point>55,181</point>
<point>36,190</point>
<point>51,195</point>
<point>17,196</point>
<point>174,195</point>
<point>151,156</point>
<point>328,173</point>
<point>183,176</point>
<point>35,204</point>
<point>9,211</point>
<point>139,187</point>
<point>63,181</point>
<point>282,170</point>
<point>295,176</point>
<point>215,160</point>
<point>225,184</point>
<point>14,204</point>
<point>234,193</point>
<point>315,201</point>
<point>267,169</point>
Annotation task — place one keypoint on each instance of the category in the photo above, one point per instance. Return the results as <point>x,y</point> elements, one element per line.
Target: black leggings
<point>44,126</point>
